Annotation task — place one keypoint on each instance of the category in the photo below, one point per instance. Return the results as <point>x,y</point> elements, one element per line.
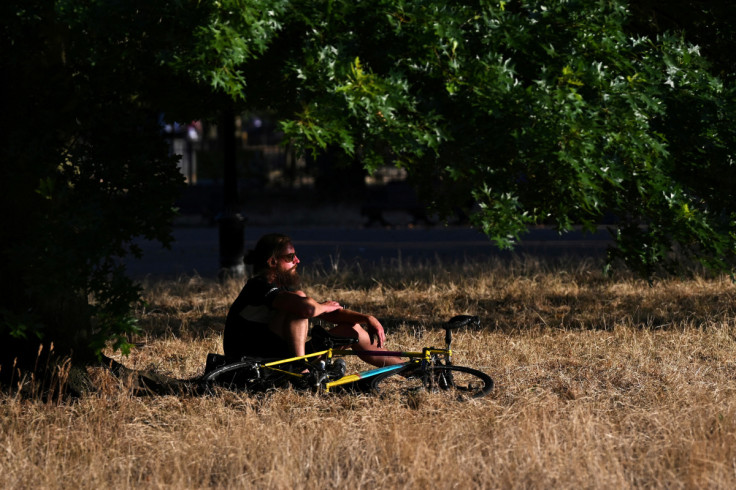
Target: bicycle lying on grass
<point>430,369</point>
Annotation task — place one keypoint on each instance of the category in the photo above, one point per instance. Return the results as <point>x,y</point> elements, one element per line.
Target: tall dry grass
<point>601,383</point>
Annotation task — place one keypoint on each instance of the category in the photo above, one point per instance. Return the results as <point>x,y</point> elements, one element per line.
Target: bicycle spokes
<point>453,382</point>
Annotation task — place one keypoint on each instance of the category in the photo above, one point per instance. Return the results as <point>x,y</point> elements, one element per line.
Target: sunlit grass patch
<point>606,382</point>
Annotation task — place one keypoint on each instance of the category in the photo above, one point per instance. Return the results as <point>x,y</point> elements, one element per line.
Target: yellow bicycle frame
<point>415,357</point>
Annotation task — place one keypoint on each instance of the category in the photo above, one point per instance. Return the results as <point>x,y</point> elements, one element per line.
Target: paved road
<point>196,249</point>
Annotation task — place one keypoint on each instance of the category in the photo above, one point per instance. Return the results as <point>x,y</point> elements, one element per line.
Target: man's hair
<point>268,246</point>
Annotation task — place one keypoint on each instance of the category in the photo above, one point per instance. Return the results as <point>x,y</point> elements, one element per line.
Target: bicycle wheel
<point>455,382</point>
<point>236,375</point>
<point>244,375</point>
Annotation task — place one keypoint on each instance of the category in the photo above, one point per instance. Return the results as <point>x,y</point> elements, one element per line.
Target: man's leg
<point>292,330</point>
<point>364,343</point>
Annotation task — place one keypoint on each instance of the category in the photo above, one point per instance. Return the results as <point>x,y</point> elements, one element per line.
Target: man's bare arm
<point>371,323</point>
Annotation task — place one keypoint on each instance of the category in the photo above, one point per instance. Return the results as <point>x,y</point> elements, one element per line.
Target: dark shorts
<point>256,340</point>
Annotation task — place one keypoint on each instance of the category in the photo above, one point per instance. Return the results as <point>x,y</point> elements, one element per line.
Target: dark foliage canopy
<point>519,112</point>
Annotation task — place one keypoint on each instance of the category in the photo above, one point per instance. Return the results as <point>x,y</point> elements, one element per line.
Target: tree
<point>522,112</point>
<point>707,24</point>
<point>86,168</point>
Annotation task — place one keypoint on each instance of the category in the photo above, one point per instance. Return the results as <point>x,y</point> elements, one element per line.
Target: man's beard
<point>288,279</point>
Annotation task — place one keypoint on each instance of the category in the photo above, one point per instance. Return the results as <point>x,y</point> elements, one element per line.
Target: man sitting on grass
<point>270,316</point>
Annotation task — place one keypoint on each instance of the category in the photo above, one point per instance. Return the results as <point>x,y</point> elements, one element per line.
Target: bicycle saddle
<point>462,321</point>
<point>322,339</point>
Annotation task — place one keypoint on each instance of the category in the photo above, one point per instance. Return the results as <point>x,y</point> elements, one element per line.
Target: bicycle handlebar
<point>458,322</point>
<point>462,321</point>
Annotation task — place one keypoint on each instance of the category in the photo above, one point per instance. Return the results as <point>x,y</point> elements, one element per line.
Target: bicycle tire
<point>458,382</point>
<point>243,375</point>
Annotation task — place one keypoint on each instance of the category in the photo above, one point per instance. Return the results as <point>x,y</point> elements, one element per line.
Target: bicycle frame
<point>425,357</point>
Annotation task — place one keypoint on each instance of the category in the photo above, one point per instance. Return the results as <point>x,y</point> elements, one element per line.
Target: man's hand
<point>375,331</point>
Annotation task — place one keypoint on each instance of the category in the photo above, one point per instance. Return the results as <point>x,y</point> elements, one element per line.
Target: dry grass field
<point>600,383</point>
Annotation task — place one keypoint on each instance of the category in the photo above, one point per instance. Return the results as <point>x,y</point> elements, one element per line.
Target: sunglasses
<point>288,257</point>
